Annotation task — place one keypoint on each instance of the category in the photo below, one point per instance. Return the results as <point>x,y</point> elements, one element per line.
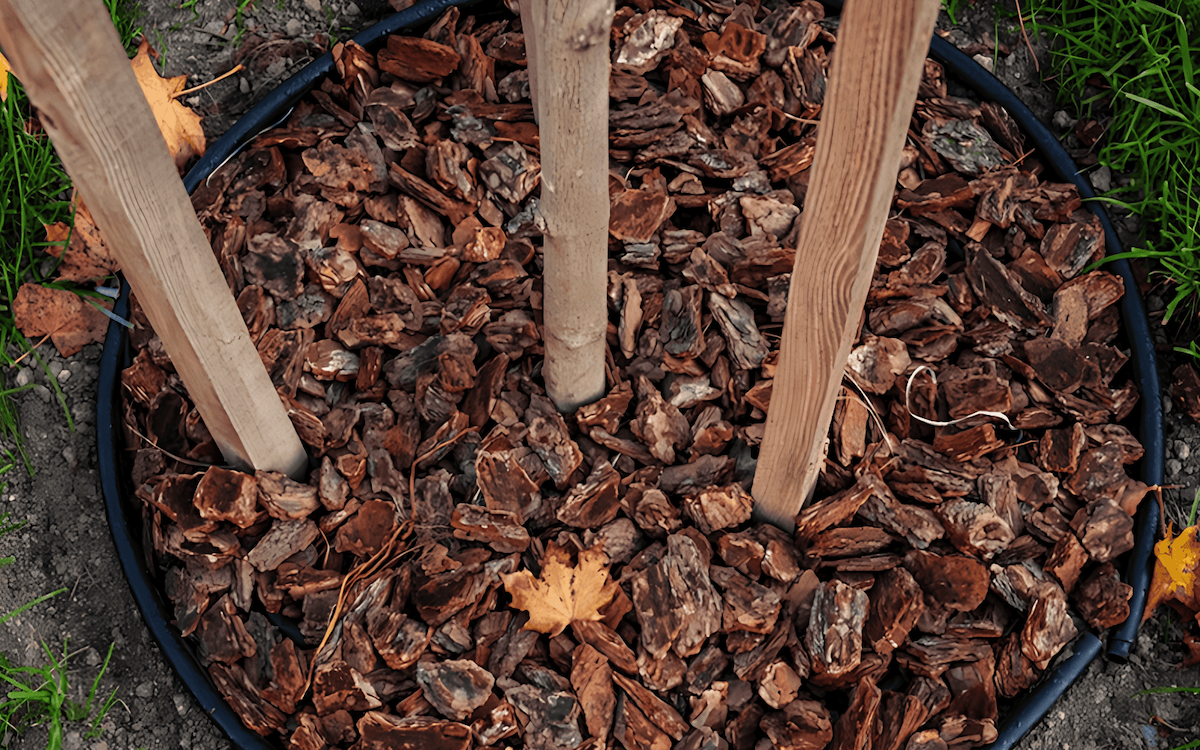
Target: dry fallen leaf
<point>5,69</point>
<point>1175,565</point>
<point>180,126</point>
<point>86,258</point>
<point>70,322</point>
<point>563,593</point>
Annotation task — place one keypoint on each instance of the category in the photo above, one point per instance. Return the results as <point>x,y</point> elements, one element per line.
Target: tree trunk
<point>570,39</point>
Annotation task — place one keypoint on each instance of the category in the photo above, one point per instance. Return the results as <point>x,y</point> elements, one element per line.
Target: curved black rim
<point>158,615</point>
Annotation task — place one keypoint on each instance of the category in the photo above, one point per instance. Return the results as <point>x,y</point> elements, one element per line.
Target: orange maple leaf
<point>70,322</point>
<point>180,126</point>
<point>1175,567</point>
<point>86,257</point>
<point>562,594</point>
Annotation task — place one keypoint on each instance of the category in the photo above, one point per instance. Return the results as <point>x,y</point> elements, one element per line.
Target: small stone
<point>84,412</point>
<point>455,688</point>
<point>1182,451</point>
<point>1174,466</point>
<point>91,657</point>
<point>145,690</point>
<point>313,5</point>
<point>43,393</point>
<point>63,376</point>
<point>24,377</point>
<point>55,368</point>
<point>293,28</point>
<point>351,9</point>
<point>1102,179</point>
<point>180,703</point>
<point>985,61</point>
<point>1062,120</point>
<point>243,85</point>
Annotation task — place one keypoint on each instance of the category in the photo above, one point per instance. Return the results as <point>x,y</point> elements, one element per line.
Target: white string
<point>933,423</point>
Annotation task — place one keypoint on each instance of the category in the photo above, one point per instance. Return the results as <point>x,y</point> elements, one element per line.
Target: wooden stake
<point>872,89</point>
<point>70,61</point>
<point>570,39</point>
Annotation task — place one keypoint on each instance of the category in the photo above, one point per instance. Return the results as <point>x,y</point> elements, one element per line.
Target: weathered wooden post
<point>569,65</point>
<point>69,59</point>
<point>872,89</point>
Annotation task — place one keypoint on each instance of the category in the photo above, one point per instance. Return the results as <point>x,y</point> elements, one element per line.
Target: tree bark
<point>570,39</point>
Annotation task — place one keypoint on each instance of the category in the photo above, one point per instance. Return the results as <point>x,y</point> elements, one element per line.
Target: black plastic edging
<point>158,616</point>
<point>1145,370</point>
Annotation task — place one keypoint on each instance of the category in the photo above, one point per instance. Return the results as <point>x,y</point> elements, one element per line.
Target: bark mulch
<point>383,246</point>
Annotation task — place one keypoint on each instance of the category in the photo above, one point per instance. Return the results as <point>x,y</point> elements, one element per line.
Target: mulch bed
<point>383,248</point>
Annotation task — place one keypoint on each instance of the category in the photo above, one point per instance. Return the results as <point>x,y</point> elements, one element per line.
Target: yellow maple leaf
<point>5,69</point>
<point>1175,568</point>
<point>562,594</point>
<point>180,126</point>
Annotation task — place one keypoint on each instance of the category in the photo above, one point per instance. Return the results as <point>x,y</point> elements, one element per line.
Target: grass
<point>952,7</point>
<point>1139,60</point>
<point>33,192</point>
<point>7,527</point>
<point>38,696</point>
<point>1172,689</point>
<point>33,696</point>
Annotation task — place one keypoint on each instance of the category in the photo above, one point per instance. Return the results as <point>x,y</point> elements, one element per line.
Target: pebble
<point>313,5</point>
<point>84,411</point>
<point>293,28</point>
<point>55,368</point>
<point>1182,450</point>
<point>24,377</point>
<point>43,393</point>
<point>1174,466</point>
<point>243,85</point>
<point>985,61</point>
<point>1062,120</point>
<point>180,703</point>
<point>1102,179</point>
<point>64,376</point>
<point>351,9</point>
<point>145,690</point>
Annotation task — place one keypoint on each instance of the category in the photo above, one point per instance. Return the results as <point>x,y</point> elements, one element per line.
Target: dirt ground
<point>67,543</point>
